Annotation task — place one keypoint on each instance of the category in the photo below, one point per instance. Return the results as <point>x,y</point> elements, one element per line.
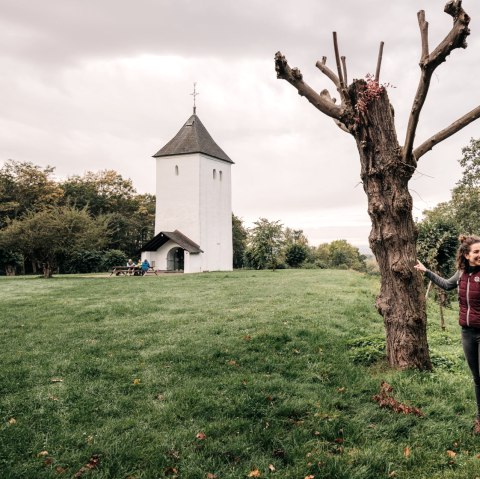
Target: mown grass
<point>221,374</point>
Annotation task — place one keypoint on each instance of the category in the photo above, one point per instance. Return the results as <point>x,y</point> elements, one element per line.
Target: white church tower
<point>193,217</point>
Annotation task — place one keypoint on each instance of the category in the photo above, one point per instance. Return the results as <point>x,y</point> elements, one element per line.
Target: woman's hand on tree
<point>420,267</point>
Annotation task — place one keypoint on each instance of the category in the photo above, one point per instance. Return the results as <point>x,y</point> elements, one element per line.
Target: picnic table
<point>131,271</point>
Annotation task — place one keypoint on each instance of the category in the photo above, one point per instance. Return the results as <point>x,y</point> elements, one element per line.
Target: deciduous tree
<point>26,187</point>
<point>364,111</point>
<point>130,216</point>
<point>239,239</point>
<point>266,242</point>
<point>47,236</point>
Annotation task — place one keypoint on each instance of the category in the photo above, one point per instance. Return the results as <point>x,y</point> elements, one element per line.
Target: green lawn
<point>221,375</point>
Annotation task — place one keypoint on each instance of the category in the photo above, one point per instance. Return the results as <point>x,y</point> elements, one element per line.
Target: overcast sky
<point>104,84</point>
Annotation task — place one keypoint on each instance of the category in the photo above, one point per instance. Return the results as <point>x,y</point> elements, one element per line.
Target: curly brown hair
<point>466,242</point>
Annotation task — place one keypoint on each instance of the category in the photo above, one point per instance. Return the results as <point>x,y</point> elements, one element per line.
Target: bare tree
<point>365,112</point>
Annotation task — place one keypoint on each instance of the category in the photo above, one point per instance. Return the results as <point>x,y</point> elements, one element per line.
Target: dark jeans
<point>471,348</point>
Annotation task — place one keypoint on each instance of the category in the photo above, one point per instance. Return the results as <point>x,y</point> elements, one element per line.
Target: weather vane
<point>194,94</point>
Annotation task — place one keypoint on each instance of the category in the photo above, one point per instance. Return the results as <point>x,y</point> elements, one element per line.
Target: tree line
<point>82,224</point>
<point>270,245</point>
<point>92,222</point>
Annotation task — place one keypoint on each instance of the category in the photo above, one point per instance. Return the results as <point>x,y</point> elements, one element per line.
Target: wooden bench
<point>126,271</point>
<point>151,270</point>
<point>131,271</point>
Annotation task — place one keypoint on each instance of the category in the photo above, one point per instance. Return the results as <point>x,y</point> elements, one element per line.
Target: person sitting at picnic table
<point>130,266</point>
<point>145,266</point>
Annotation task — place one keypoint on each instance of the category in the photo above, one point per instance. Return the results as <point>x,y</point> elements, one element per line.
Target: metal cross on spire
<point>194,94</point>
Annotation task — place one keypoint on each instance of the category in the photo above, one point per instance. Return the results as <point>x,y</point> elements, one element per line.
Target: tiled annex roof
<point>177,237</point>
<point>193,137</point>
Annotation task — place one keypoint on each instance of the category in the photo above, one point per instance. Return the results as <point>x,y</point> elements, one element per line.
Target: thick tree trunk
<point>385,176</point>
<point>47,270</point>
<point>9,270</point>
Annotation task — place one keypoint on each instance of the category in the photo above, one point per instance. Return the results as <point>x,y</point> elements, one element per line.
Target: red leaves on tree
<point>386,399</point>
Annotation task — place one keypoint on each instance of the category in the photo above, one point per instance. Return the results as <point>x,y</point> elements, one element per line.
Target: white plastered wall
<point>193,195</point>
<point>177,193</point>
<point>159,259</point>
<point>216,214</point>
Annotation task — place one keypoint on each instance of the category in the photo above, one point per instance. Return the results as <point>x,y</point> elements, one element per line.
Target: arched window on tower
<point>214,174</point>
<point>220,174</point>
<point>176,170</point>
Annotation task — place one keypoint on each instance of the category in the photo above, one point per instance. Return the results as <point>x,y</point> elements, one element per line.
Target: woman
<point>467,279</point>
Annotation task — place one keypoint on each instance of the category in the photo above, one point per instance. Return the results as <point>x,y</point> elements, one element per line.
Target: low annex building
<point>193,216</point>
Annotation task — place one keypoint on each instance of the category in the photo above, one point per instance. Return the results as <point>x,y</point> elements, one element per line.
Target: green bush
<point>296,254</point>
<point>82,262</point>
<point>113,257</point>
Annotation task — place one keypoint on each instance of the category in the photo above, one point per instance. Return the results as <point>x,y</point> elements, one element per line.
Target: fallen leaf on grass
<point>169,471</point>
<point>42,454</point>
<point>12,421</point>
<point>385,399</point>
<point>211,476</point>
<point>255,473</point>
<point>232,362</point>
<point>136,381</point>
<point>91,464</point>
<point>56,380</point>
<point>407,452</point>
<point>451,454</point>
<point>311,476</point>
<point>201,436</point>
<point>60,470</point>
<point>271,468</point>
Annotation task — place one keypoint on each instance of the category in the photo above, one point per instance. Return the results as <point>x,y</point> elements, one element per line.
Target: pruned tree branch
<point>321,65</point>
<point>424,34</point>
<point>379,62</point>
<point>344,66</point>
<point>337,59</point>
<point>326,94</point>
<point>456,38</point>
<point>295,78</point>
<point>446,132</point>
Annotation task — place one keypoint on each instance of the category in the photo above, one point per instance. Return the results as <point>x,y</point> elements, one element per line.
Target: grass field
<point>221,375</point>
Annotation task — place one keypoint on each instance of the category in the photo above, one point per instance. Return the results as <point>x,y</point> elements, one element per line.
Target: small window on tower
<point>220,175</point>
<point>176,170</point>
<point>214,174</point>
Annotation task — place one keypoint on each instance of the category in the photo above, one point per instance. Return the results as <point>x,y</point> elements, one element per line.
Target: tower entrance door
<point>175,259</point>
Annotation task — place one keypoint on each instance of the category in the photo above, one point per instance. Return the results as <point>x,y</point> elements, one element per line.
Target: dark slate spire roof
<point>193,137</point>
